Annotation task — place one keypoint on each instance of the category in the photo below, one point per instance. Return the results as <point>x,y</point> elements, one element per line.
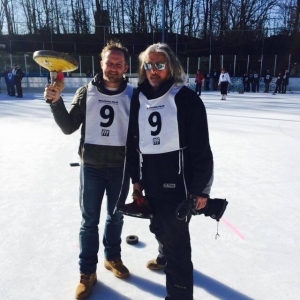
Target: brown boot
<point>117,267</point>
<point>84,288</point>
<point>154,265</point>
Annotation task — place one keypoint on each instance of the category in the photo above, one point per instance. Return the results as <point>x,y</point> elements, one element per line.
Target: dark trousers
<point>250,86</point>
<point>207,82</point>
<point>174,248</point>
<point>198,88</point>
<point>278,88</point>
<point>267,86</point>
<point>18,84</point>
<point>283,88</point>
<point>11,89</point>
<point>255,86</point>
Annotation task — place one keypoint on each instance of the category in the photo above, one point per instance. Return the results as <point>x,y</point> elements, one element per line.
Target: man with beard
<point>170,159</point>
<point>101,108</point>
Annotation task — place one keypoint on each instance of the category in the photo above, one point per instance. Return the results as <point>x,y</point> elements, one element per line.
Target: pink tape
<point>233,228</point>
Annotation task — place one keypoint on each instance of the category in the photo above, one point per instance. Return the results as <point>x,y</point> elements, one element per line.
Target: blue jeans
<point>93,183</point>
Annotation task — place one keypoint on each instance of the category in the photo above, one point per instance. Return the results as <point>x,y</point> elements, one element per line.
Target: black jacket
<point>196,171</point>
<point>93,155</point>
<point>285,79</point>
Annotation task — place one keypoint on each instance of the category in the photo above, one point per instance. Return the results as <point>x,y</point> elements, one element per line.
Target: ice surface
<point>255,140</point>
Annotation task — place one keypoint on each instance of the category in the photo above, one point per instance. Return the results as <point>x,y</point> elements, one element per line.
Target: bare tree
<point>1,18</point>
<point>79,16</point>
<point>230,20</point>
<point>9,15</point>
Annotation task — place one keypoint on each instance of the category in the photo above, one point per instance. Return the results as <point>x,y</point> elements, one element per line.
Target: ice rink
<point>255,138</point>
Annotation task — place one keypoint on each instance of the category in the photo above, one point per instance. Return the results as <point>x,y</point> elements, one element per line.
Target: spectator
<point>207,81</point>
<point>199,80</point>
<point>18,76</point>
<point>215,77</point>
<point>255,85</point>
<point>251,81</point>
<point>246,82</point>
<point>9,80</point>
<point>224,81</point>
<point>267,81</point>
<point>285,81</point>
<point>278,84</point>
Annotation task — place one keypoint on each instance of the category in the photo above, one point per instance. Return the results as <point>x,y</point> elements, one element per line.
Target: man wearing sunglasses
<point>101,108</point>
<point>170,159</point>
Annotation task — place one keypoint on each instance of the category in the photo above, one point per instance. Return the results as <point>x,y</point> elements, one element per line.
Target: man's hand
<point>52,93</point>
<point>200,202</point>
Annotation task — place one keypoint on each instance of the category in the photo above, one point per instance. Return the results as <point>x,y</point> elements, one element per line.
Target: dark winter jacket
<point>97,156</point>
<point>267,78</point>
<point>245,78</point>
<point>196,168</point>
<point>9,77</point>
<point>18,74</point>
<point>285,78</point>
<point>279,79</point>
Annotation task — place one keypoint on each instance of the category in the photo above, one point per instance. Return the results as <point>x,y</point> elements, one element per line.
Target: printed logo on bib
<point>156,141</point>
<point>105,132</point>
<point>169,185</point>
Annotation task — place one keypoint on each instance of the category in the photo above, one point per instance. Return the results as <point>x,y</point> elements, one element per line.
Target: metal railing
<point>236,65</point>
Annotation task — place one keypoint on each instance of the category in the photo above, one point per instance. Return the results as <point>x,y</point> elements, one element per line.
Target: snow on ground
<point>255,139</point>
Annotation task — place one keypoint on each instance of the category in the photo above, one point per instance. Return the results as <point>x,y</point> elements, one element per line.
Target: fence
<point>236,65</point>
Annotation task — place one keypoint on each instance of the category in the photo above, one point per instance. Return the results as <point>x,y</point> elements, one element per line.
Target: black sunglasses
<point>158,66</point>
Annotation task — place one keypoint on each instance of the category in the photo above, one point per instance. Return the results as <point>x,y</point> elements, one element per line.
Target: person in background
<point>170,159</point>
<point>101,108</point>
<point>18,76</point>
<point>278,84</point>
<point>207,81</point>
<point>246,82</point>
<point>267,81</point>
<point>215,77</point>
<point>285,81</point>
<point>224,81</point>
<point>251,87</point>
<point>199,80</point>
<point>255,85</point>
<point>9,81</point>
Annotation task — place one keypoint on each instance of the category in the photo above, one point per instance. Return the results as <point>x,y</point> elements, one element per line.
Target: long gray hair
<point>174,64</point>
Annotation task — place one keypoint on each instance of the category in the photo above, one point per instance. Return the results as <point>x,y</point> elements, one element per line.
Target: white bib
<point>158,125</point>
<point>107,117</point>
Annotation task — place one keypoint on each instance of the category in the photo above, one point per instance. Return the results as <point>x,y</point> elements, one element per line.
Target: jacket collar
<point>98,82</point>
<point>146,88</point>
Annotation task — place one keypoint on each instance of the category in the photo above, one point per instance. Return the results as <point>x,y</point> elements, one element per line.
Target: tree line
<point>218,20</point>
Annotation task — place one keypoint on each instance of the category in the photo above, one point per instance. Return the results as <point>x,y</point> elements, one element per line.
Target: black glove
<point>214,208</point>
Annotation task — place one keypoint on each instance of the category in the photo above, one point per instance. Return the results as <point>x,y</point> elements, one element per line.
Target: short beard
<point>113,78</point>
